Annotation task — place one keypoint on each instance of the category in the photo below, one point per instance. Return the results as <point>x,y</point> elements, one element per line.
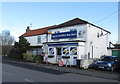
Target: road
<point>13,72</point>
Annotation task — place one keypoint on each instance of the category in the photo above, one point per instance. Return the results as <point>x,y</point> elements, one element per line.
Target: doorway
<point>58,53</point>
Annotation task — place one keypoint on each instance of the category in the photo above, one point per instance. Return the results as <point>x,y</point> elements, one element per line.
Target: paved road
<point>13,72</point>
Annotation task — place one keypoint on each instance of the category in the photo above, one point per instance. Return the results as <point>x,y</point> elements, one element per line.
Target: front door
<point>58,56</point>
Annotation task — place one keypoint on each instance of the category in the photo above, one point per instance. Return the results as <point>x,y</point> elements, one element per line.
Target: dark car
<point>107,62</point>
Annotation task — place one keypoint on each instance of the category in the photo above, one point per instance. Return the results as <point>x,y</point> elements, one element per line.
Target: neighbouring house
<point>114,50</point>
<point>75,39</point>
<point>36,38</point>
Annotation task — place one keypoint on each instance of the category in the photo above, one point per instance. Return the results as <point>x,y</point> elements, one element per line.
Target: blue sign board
<point>70,34</point>
<point>64,44</point>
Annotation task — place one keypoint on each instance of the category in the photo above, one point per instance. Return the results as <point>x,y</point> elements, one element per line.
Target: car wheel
<point>112,68</point>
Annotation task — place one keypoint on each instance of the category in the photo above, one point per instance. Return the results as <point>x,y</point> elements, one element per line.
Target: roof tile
<point>37,31</point>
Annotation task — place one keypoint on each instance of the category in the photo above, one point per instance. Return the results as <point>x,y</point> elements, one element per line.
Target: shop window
<point>39,39</point>
<point>51,51</point>
<point>73,50</point>
<point>66,51</point>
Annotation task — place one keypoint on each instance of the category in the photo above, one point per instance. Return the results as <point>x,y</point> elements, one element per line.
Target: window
<point>73,50</point>
<point>39,39</point>
<point>98,35</point>
<point>66,51</point>
<point>39,51</point>
<point>51,51</point>
<point>57,32</point>
<point>73,30</point>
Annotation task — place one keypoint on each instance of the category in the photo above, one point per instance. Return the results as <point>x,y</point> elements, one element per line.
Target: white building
<point>76,39</point>
<point>36,38</point>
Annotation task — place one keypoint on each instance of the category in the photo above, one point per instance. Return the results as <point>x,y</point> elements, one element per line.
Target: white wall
<point>99,44</point>
<point>90,37</point>
<point>33,40</point>
<point>109,52</point>
<point>80,27</point>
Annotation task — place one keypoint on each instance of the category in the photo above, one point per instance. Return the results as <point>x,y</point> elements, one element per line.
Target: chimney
<point>28,29</point>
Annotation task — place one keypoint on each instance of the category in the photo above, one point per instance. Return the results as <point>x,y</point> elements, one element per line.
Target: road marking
<point>28,80</point>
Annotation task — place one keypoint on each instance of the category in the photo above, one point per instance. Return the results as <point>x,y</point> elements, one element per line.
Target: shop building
<point>75,39</point>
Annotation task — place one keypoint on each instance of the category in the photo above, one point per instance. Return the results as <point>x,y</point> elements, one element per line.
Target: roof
<point>116,45</point>
<point>113,48</point>
<point>75,21</point>
<point>37,31</point>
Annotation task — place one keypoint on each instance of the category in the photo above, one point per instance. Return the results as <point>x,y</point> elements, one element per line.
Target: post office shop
<point>75,39</point>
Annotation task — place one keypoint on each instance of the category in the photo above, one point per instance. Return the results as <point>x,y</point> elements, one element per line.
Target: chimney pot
<point>28,29</point>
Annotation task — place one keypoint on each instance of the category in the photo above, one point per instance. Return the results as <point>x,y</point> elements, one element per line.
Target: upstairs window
<point>73,30</point>
<point>98,35</point>
<point>39,39</point>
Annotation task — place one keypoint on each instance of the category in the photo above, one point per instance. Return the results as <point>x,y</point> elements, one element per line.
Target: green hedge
<point>28,57</point>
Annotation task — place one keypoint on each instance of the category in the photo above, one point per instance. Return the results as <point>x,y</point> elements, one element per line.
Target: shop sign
<point>64,44</point>
<point>62,35</point>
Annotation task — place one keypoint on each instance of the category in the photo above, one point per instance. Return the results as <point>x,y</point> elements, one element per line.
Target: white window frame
<point>39,39</point>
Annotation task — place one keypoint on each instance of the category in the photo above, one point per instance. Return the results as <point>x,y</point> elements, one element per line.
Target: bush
<point>14,55</point>
<point>28,57</point>
<point>38,58</point>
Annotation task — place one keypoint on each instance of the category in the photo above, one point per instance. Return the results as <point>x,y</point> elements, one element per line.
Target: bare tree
<point>7,39</point>
<point>7,42</point>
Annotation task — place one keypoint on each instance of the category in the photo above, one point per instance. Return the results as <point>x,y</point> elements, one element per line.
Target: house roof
<point>37,31</point>
<point>75,21</point>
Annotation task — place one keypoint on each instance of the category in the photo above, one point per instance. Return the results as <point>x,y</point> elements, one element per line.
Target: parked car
<point>108,63</point>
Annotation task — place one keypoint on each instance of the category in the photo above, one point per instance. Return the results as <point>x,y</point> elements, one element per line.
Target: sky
<point>16,16</point>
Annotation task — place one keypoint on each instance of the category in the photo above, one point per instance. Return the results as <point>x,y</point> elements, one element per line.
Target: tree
<point>7,41</point>
<point>21,47</point>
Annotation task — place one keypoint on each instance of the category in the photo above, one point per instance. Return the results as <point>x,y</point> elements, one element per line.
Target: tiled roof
<point>75,21</point>
<point>37,31</point>
<point>70,23</point>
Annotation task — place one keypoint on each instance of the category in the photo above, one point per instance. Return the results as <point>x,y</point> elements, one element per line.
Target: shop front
<point>68,52</point>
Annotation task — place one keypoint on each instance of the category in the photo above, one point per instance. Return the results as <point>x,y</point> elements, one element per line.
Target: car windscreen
<point>106,59</point>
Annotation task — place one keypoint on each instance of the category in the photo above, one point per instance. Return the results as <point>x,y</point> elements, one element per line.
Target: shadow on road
<point>32,67</point>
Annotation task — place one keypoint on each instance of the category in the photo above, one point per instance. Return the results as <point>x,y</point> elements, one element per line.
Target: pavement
<point>55,68</point>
